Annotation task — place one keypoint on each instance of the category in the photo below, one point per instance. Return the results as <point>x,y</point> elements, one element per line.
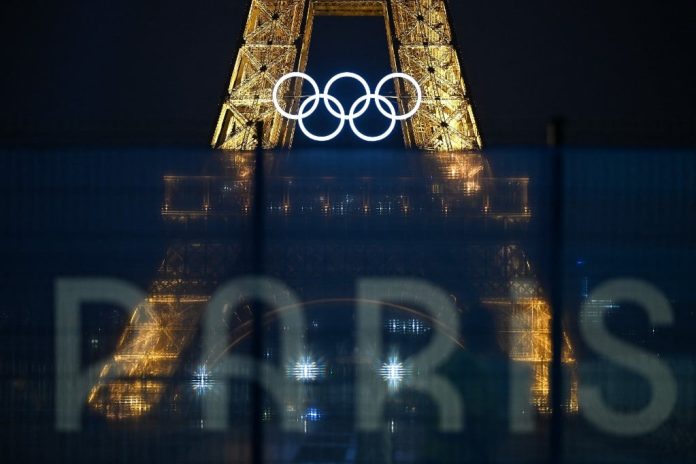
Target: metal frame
<point>276,41</point>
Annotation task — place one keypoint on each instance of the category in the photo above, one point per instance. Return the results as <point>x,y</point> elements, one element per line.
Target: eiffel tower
<point>275,42</point>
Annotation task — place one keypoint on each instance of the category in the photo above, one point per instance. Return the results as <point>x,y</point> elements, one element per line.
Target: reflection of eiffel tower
<point>194,265</point>
<point>276,41</point>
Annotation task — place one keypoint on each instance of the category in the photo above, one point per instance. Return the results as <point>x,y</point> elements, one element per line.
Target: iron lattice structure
<point>161,328</point>
<point>276,41</point>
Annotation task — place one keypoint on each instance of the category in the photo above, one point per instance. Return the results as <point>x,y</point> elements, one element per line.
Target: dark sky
<point>153,72</point>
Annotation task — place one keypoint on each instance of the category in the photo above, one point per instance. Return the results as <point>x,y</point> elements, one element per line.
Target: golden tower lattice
<point>276,41</point>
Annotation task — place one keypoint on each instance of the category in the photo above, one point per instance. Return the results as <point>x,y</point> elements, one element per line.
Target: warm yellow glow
<point>462,171</point>
<point>525,334</point>
<point>445,121</point>
<point>133,381</point>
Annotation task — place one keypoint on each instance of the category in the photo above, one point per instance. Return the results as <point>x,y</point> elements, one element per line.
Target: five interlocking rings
<point>336,109</point>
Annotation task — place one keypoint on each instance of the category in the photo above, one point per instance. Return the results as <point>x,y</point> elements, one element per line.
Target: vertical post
<point>555,284</point>
<point>402,96</point>
<point>455,44</point>
<point>258,255</point>
<point>221,128</point>
<point>287,128</point>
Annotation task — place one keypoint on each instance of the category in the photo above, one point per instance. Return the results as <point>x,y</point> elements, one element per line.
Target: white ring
<point>301,115</point>
<point>367,138</point>
<point>419,94</point>
<point>343,75</point>
<point>341,118</point>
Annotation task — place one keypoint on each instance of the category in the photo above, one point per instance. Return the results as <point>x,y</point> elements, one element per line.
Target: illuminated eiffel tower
<point>276,41</point>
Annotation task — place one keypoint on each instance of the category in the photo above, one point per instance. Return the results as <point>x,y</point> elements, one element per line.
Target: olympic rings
<point>392,117</point>
<point>332,81</point>
<point>357,109</point>
<point>419,93</point>
<point>341,117</point>
<point>285,78</point>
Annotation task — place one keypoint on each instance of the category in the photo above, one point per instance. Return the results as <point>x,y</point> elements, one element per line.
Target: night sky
<point>152,73</point>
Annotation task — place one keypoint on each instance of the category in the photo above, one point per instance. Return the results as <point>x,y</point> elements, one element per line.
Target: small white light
<point>393,372</point>
<point>312,414</point>
<point>305,370</point>
<point>201,380</point>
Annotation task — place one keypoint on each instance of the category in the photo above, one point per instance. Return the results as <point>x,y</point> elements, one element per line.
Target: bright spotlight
<point>312,414</point>
<point>305,370</point>
<point>201,380</point>
<point>393,371</point>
